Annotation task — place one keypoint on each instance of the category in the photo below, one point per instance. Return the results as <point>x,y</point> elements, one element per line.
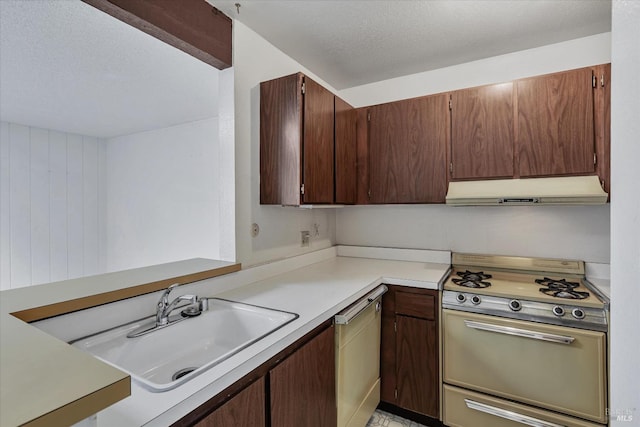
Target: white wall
<point>51,205</point>
<point>574,232</point>
<point>256,60</point>
<point>226,176</point>
<point>577,53</point>
<point>162,195</point>
<point>580,232</point>
<point>74,205</point>
<point>625,213</point>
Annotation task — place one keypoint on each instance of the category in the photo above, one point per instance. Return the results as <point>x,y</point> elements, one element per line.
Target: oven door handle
<point>508,415</point>
<point>508,330</point>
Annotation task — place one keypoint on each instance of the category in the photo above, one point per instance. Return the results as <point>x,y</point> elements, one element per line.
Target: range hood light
<point>573,190</point>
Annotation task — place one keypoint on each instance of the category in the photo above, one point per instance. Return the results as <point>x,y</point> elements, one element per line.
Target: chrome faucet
<point>165,307</point>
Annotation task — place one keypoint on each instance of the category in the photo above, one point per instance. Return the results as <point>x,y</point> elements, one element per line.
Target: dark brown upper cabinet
<point>307,144</point>
<point>551,125</point>
<point>555,124</point>
<point>602,122</point>
<point>482,132</point>
<point>345,140</point>
<point>407,150</point>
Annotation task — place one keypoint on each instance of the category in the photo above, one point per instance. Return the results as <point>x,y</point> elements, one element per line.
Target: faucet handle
<point>164,298</point>
<point>170,288</point>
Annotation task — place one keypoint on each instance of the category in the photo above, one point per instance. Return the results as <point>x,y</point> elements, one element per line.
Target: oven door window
<point>553,367</point>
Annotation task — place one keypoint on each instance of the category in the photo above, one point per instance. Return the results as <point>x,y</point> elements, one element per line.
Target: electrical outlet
<point>305,236</point>
<point>255,230</point>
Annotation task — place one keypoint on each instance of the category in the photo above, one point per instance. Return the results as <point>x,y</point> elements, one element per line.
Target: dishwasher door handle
<point>346,316</point>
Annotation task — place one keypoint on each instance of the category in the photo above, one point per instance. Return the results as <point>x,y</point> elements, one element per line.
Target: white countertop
<point>598,275</point>
<point>315,292</point>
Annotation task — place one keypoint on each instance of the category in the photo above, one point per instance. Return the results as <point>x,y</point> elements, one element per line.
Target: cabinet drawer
<point>416,305</point>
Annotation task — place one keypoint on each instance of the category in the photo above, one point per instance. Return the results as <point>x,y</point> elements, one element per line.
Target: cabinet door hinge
<point>594,80</point>
<point>303,88</point>
<point>451,168</point>
<point>450,104</point>
<point>368,116</point>
<point>302,189</point>
<point>369,193</point>
<point>395,394</point>
<point>602,80</point>
<point>595,159</point>
<point>395,326</point>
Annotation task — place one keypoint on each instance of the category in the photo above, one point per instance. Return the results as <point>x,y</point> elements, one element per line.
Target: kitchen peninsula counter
<point>44,381</point>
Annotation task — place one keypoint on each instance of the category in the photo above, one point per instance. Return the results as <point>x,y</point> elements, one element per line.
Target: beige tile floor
<point>385,419</point>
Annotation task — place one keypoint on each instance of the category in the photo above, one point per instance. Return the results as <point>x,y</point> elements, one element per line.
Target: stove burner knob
<point>578,313</point>
<point>558,311</point>
<point>515,305</point>
<point>461,298</point>
<point>475,300</point>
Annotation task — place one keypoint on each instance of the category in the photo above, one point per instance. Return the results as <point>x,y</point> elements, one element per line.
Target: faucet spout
<point>163,303</point>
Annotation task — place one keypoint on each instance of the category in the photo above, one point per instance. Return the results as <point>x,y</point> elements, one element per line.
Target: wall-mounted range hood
<point>575,190</point>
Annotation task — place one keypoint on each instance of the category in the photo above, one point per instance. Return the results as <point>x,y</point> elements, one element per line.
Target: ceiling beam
<point>193,26</point>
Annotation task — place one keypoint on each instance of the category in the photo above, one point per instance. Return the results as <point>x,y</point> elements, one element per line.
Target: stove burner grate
<point>561,289</point>
<point>470,279</point>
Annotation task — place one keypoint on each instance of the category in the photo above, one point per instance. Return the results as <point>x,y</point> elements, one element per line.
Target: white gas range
<point>524,343</point>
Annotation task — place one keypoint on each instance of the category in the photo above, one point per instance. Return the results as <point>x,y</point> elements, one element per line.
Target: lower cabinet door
<point>417,378</point>
<point>246,409</point>
<point>464,408</point>
<point>303,387</point>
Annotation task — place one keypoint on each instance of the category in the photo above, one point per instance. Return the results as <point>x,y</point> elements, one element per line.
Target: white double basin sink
<point>167,357</point>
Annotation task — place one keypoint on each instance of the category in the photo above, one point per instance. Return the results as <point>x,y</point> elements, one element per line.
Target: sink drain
<point>182,372</point>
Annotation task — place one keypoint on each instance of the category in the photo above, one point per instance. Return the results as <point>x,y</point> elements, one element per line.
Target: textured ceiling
<point>352,42</point>
<point>67,66</point>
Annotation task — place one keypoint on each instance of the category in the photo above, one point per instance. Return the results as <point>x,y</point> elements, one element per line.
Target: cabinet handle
<point>344,317</point>
<point>509,415</point>
<point>507,330</point>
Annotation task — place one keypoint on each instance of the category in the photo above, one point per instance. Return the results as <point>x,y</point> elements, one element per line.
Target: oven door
<point>554,367</point>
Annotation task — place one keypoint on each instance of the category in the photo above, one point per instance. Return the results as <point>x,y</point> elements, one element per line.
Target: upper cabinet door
<point>602,119</point>
<point>407,150</point>
<point>555,133</point>
<point>482,132</point>
<point>280,140</point>
<point>318,149</point>
<point>345,146</point>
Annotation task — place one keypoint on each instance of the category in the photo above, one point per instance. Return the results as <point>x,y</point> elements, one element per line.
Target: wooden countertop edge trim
<point>86,406</point>
<point>64,307</point>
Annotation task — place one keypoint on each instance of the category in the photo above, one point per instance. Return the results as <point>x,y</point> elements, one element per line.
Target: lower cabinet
<point>302,387</point>
<point>295,388</point>
<point>245,409</point>
<point>409,356</point>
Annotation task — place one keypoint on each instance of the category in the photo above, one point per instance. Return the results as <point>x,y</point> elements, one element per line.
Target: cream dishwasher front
<point>358,359</point>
